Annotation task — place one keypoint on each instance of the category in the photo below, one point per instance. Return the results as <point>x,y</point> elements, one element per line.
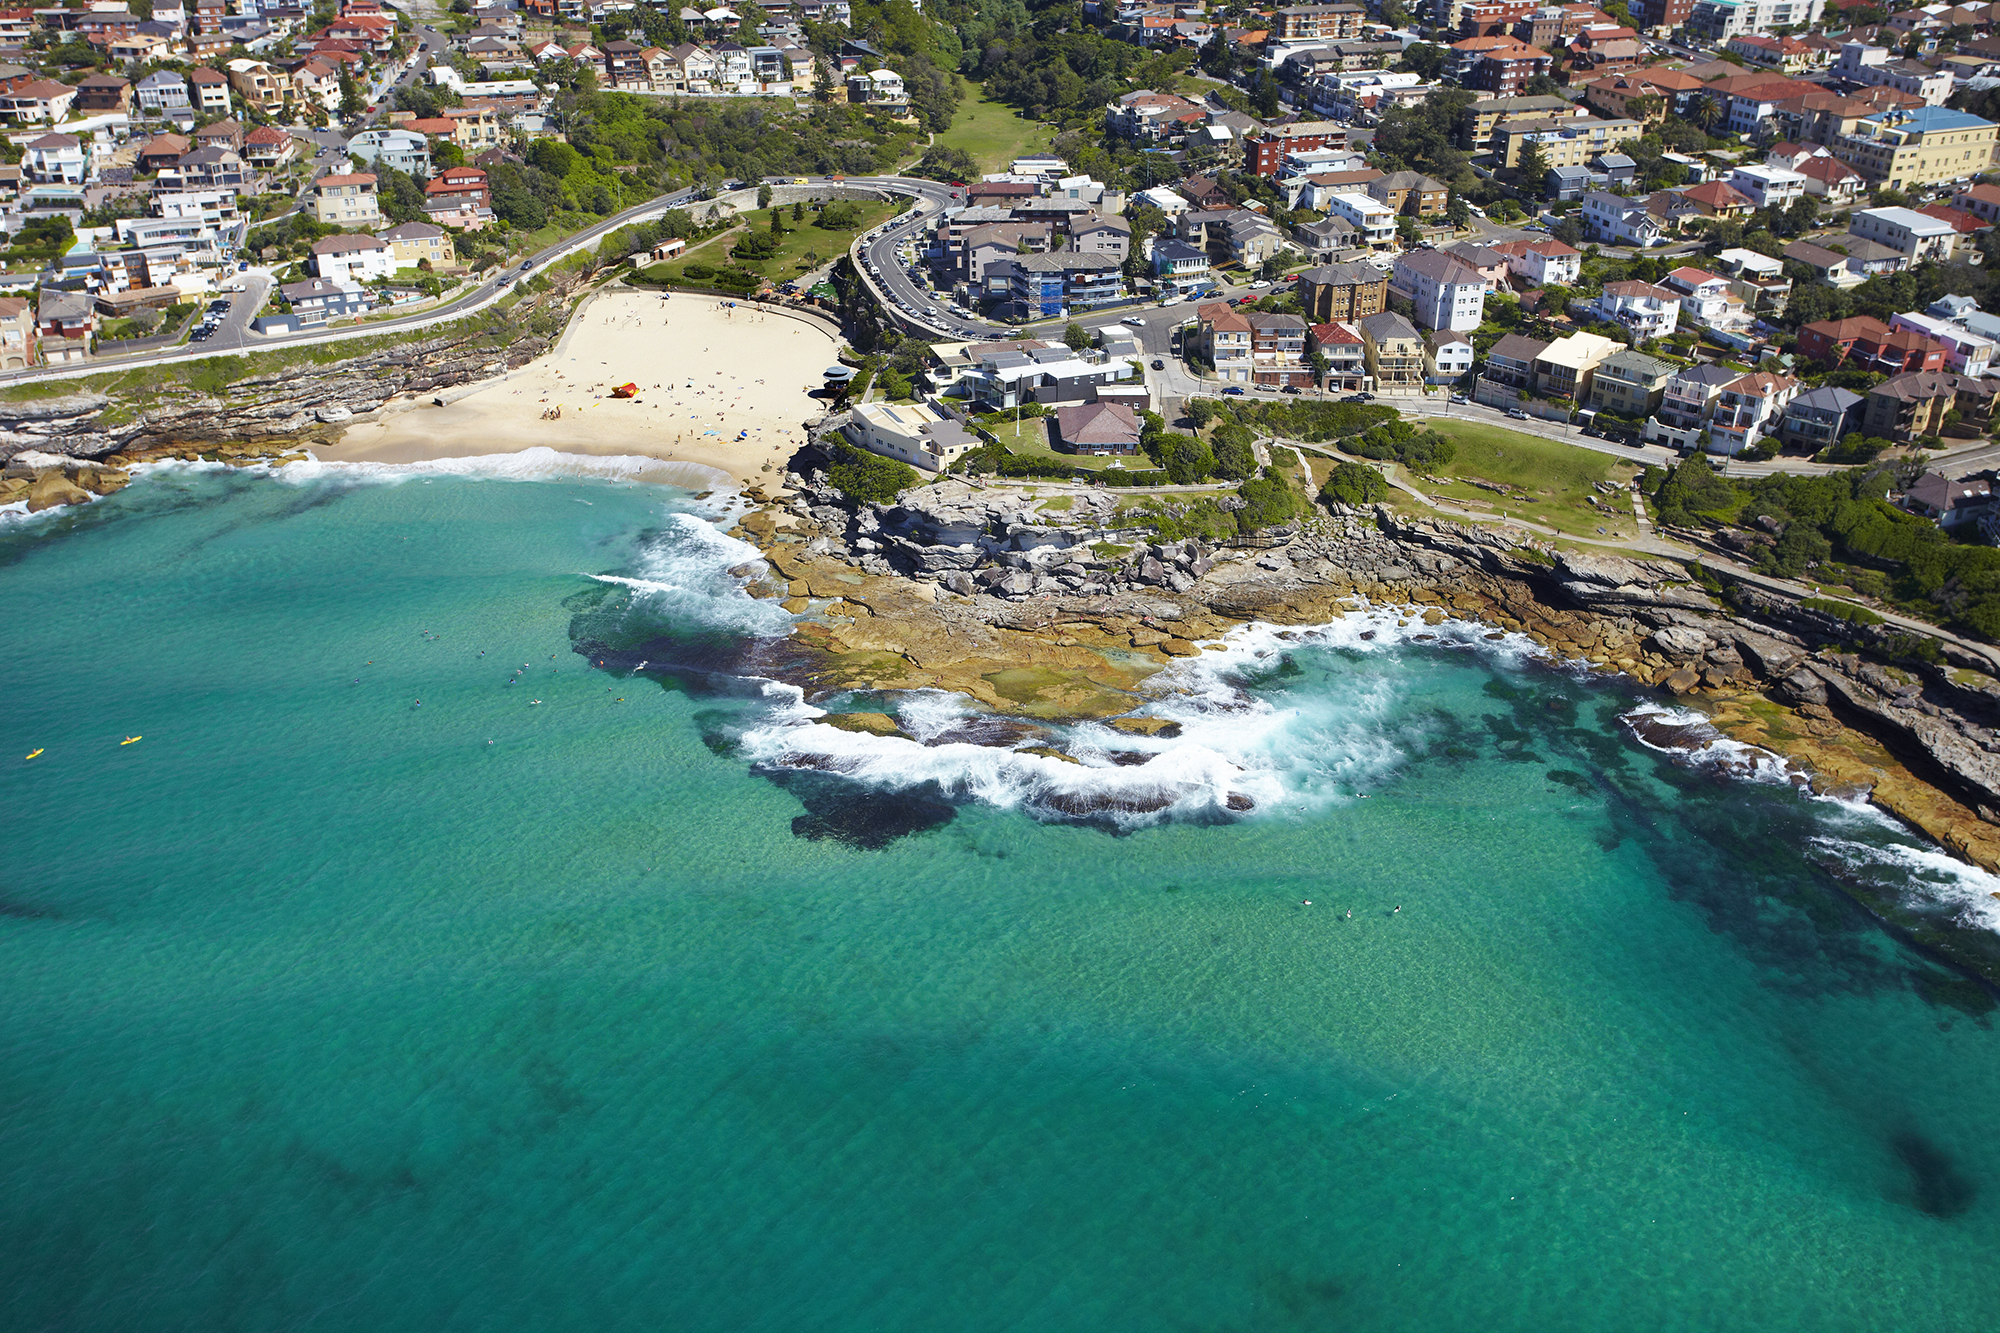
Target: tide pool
<point>653,1005</point>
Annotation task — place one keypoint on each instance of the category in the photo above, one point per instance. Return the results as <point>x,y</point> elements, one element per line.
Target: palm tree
<point>1707,109</point>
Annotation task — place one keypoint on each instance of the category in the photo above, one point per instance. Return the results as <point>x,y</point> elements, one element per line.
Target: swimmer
<point>1399,907</point>
<point>1309,902</point>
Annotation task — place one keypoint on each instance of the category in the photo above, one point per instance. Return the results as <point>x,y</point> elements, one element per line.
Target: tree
<point>1353,484</point>
<point>763,196</point>
<point>1706,110</point>
<point>1533,164</point>
<point>777,224</point>
<point>1424,59</point>
<point>798,210</point>
<point>1235,452</point>
<point>864,477</point>
<point>946,164</point>
<point>1457,212</point>
<point>1264,93</point>
<point>351,101</point>
<point>1646,107</point>
<point>1076,337</point>
<point>1317,360</point>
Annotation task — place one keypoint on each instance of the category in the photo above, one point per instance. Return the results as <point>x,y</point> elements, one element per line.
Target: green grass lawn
<point>1554,477</point>
<point>1031,437</point>
<point>993,132</point>
<point>800,238</point>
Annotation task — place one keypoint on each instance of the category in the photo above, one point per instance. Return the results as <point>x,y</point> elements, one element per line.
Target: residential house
<point>1222,336</point>
<point>1511,361</point>
<point>459,197</point>
<point>1278,351</point>
<point>17,333</point>
<point>1949,502</point>
<point>1342,293</point>
<point>1265,151</point>
<point>1621,221</point>
<point>218,169</point>
<point>1326,238</point>
<point>1965,352</point>
<point>315,301</point>
<point>400,149</point>
<point>1630,384</point>
<point>1982,201</point>
<point>1565,367</point>
<point>221,134</point>
<point>35,100</point>
<point>261,85</point>
<point>1705,297</point>
<point>1490,265</point>
<point>104,92</point>
<point>162,151</point>
<point>1749,408</point>
<point>65,323</point>
<point>1913,405</point>
<point>1410,192</point>
<point>1831,180</point>
<point>1447,355</point>
<point>267,147</point>
<point>1831,265</point>
<point>1913,234</point>
<point>1178,264</point>
<point>1768,186</point>
<point>57,159</point>
<point>163,91</point>
<point>1643,309</point>
<point>1394,351</point>
<point>1819,418</point>
<point>1375,222</point>
<point>1719,199</point>
<point>1682,412</point>
<point>418,245</point>
<point>1097,428</point>
<point>1868,344</point>
<point>352,257</point>
<point>1447,292</point>
<point>1345,353</point>
<point>911,433</point>
<point>210,91</point>
<point>1757,279</point>
<point>346,201</point>
<point>1542,263</point>
<point>1094,235</point>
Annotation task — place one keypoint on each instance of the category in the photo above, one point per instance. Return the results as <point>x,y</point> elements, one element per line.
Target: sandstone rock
<point>51,489</point>
<point>1147,726</point>
<point>1683,680</point>
<point>871,724</point>
<point>1678,641</point>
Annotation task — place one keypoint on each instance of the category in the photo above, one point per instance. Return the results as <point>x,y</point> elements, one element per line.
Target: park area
<point>750,254</point>
<point>993,134</point>
<point>1544,481</point>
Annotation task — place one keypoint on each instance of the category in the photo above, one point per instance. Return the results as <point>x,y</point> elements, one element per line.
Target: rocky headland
<point>1066,614</point>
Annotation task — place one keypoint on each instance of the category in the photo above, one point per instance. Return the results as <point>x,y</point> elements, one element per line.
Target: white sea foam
<point>1697,742</point>
<point>1921,873</point>
<point>539,463</point>
<point>1235,750</point>
<point>682,575</point>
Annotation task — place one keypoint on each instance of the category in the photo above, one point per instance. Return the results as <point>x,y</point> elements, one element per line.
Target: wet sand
<point>722,387</point>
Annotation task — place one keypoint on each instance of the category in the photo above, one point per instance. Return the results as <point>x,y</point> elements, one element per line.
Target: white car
<point>1133,319</point>
<point>1259,286</point>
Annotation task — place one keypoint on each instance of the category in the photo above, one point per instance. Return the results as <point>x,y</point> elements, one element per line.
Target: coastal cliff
<point>1057,615</point>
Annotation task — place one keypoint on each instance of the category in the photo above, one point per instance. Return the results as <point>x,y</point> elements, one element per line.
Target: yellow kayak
<point>32,753</point>
<point>130,739</point>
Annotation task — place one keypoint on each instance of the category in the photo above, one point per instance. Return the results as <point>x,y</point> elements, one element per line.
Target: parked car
<point>1158,364</point>
<point>1290,388</point>
<point>1355,398</point>
<point>1460,398</point>
<point>1517,414</point>
<point>1234,391</point>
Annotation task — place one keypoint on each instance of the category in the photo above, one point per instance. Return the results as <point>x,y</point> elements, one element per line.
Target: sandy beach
<point>721,386</point>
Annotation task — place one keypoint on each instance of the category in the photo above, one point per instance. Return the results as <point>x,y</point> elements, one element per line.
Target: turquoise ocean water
<point>649,1006</point>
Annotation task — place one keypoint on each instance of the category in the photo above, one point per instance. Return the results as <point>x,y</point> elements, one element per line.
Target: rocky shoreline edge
<point>1057,616</point>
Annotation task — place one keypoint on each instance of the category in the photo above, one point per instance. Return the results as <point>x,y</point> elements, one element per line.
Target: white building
<point>1542,262</point>
<point>1872,66</point>
<point>1610,217</point>
<point>1769,186</point>
<point>1647,310</point>
<point>57,159</point>
<point>1448,355</point>
<point>352,258</point>
<point>1375,221</point>
<point>909,432</point>
<point>1918,235</point>
<point>1448,293</point>
<point>1719,20</point>
<point>163,91</point>
<point>1966,352</point>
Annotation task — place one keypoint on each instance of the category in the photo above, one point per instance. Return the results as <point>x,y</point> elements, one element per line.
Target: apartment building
<point>1564,368</point>
<point>1918,235</point>
<point>1447,292</point>
<point>1648,311</point>
<point>1630,383</point>
<point>1342,293</point>
<point>1716,21</point>
<point>346,201</point>
<point>1394,351</point>
<point>1319,23</point>
<point>1749,408</point>
<point>1265,151</point>
<point>1539,263</point>
<point>1931,146</point>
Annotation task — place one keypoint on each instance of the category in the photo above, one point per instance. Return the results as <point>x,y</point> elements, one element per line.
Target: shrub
<point>1270,501</point>
<point>1235,458</point>
<point>1353,484</point>
<point>863,477</point>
